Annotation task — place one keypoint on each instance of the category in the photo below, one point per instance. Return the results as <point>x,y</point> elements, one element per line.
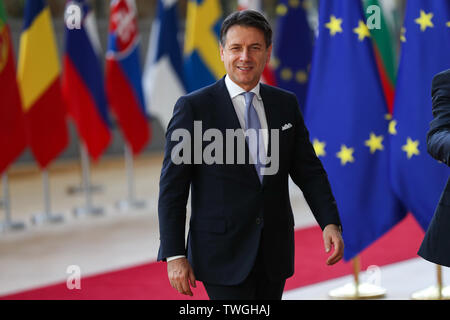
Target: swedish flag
<point>417,178</point>
<point>201,45</point>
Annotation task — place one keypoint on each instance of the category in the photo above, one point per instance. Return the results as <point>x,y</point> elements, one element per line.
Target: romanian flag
<point>123,75</point>
<point>39,84</point>
<point>12,128</point>
<point>83,84</point>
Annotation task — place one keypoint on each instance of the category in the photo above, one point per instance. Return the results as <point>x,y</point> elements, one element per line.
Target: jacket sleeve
<point>438,137</point>
<point>175,180</point>
<point>307,172</point>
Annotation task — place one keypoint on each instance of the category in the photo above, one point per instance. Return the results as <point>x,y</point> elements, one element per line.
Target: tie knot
<point>248,98</point>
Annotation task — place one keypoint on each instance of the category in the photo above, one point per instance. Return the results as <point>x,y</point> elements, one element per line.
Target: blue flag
<point>417,178</point>
<point>292,49</point>
<point>164,64</point>
<point>202,64</point>
<point>345,113</point>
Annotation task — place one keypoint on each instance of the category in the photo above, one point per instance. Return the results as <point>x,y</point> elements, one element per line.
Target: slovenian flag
<point>123,75</point>
<point>38,76</point>
<point>83,84</point>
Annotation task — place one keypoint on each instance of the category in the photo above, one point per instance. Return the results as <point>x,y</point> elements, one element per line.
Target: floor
<point>42,254</point>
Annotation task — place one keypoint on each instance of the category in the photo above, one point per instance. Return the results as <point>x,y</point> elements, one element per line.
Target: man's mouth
<point>244,68</point>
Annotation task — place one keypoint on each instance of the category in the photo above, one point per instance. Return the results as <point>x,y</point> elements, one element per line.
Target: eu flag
<point>417,178</point>
<point>345,113</point>
<point>292,49</point>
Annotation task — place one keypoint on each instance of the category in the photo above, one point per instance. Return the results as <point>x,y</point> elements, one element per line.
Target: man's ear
<point>269,54</point>
<point>221,51</point>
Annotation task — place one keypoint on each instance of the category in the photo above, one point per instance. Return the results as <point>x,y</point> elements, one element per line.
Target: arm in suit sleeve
<point>308,174</point>
<point>438,137</point>
<point>175,182</point>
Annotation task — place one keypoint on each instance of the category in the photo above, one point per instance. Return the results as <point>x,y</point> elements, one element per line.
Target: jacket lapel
<point>272,118</point>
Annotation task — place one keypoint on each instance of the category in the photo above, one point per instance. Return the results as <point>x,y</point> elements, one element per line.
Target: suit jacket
<point>436,244</point>
<point>231,210</point>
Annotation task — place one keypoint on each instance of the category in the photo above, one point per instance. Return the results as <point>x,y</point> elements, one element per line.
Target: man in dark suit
<point>436,244</point>
<point>241,231</point>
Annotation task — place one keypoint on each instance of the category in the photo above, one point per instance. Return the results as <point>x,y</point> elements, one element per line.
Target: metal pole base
<point>432,293</point>
<point>88,211</point>
<point>127,205</point>
<point>47,218</point>
<point>11,226</point>
<point>361,291</point>
<point>79,189</point>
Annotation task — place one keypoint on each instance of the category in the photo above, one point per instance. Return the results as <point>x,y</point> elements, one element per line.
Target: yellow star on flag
<point>319,148</point>
<point>334,25</point>
<point>362,31</point>
<point>411,148</point>
<point>374,143</point>
<point>425,20</point>
<point>392,127</point>
<point>346,155</point>
<point>448,24</point>
<point>403,35</point>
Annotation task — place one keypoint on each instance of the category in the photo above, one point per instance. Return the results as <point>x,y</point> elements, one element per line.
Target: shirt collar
<point>235,90</point>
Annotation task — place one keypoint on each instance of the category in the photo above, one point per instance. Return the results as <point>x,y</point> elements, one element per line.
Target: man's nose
<point>245,56</point>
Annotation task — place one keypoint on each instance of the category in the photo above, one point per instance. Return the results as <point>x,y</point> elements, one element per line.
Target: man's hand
<point>180,275</point>
<point>332,237</point>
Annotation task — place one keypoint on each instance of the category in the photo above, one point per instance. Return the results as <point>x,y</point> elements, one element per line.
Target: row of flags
<point>367,123</point>
<point>40,95</point>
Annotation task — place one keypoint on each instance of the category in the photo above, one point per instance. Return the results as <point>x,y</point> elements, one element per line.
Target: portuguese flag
<point>12,127</point>
<point>385,54</point>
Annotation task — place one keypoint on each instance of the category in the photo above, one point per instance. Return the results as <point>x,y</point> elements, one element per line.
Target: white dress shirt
<point>238,100</point>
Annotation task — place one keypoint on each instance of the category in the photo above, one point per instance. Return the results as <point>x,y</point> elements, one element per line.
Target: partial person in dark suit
<point>436,244</point>
<point>241,231</point>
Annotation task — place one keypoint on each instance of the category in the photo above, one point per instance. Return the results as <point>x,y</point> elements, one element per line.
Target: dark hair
<point>247,18</point>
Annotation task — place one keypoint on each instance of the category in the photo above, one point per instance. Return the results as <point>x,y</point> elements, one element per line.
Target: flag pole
<point>80,188</point>
<point>356,289</point>
<point>8,224</point>
<point>438,292</point>
<point>131,202</point>
<point>88,208</point>
<point>47,216</point>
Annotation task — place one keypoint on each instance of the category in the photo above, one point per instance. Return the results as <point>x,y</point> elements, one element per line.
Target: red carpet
<point>149,281</point>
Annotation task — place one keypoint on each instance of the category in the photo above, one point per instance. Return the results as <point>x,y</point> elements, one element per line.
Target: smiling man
<point>241,232</point>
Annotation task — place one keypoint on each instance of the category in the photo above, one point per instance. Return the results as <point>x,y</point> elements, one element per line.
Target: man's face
<point>245,55</point>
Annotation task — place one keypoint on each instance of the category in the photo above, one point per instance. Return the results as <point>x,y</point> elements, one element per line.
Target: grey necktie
<point>255,140</point>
